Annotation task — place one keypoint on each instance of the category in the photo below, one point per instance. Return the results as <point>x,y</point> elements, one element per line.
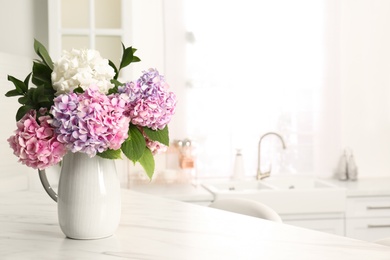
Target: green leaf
<point>116,82</point>
<point>147,162</point>
<point>23,100</point>
<point>78,90</point>
<point>30,93</point>
<point>114,89</point>
<point>127,57</point>
<point>43,99</point>
<point>37,92</point>
<point>13,93</point>
<point>161,136</point>
<point>22,111</point>
<point>42,52</point>
<point>135,144</point>
<point>41,73</point>
<point>115,69</point>
<point>47,105</point>
<point>136,59</point>
<point>27,80</point>
<point>19,85</point>
<point>50,89</point>
<point>111,154</point>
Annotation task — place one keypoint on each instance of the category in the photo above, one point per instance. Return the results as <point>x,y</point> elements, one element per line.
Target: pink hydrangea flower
<point>155,147</point>
<point>35,142</point>
<point>151,104</point>
<point>90,122</point>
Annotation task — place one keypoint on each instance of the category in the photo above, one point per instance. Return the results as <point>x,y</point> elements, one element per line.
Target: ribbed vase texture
<point>89,201</point>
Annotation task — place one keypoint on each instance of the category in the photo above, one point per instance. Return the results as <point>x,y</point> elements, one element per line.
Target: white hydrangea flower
<point>81,68</point>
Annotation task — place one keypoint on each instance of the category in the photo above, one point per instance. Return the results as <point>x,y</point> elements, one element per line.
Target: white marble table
<point>156,228</point>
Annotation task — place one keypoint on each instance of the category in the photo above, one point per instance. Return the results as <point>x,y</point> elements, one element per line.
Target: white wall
<point>19,67</point>
<point>20,22</point>
<point>365,83</point>
<point>329,117</point>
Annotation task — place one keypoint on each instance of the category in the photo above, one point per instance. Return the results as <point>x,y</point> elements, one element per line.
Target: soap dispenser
<point>238,168</point>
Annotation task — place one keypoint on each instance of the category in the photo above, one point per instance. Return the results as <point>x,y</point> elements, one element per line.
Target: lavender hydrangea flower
<point>90,122</point>
<point>151,104</point>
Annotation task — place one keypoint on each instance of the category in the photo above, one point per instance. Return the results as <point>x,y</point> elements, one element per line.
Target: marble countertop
<point>13,181</point>
<point>196,193</point>
<point>365,187</point>
<point>179,191</point>
<point>158,228</point>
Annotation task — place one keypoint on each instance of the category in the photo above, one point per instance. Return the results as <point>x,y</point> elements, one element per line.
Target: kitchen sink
<point>286,195</point>
<point>297,183</point>
<point>236,186</point>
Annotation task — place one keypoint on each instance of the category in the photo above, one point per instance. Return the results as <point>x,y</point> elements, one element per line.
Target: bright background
<point>315,71</point>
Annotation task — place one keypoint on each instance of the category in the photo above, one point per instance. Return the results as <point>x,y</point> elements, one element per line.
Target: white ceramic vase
<point>89,200</point>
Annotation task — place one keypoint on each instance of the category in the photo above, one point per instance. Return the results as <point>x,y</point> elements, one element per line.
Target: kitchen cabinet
<point>332,223</point>
<point>366,214</point>
<point>300,201</point>
<point>329,222</point>
<point>368,218</point>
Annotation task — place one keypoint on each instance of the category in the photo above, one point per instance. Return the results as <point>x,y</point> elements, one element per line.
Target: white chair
<point>247,207</point>
<point>384,241</point>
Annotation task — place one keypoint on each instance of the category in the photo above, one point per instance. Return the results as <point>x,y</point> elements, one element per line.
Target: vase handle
<point>46,185</point>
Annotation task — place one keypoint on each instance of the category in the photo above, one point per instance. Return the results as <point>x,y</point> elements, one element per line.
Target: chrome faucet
<point>261,175</point>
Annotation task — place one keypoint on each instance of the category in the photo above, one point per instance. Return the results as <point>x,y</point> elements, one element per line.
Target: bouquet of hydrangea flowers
<point>78,105</point>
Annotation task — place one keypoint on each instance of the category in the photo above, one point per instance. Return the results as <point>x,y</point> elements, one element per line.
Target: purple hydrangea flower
<point>151,104</point>
<point>90,122</point>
